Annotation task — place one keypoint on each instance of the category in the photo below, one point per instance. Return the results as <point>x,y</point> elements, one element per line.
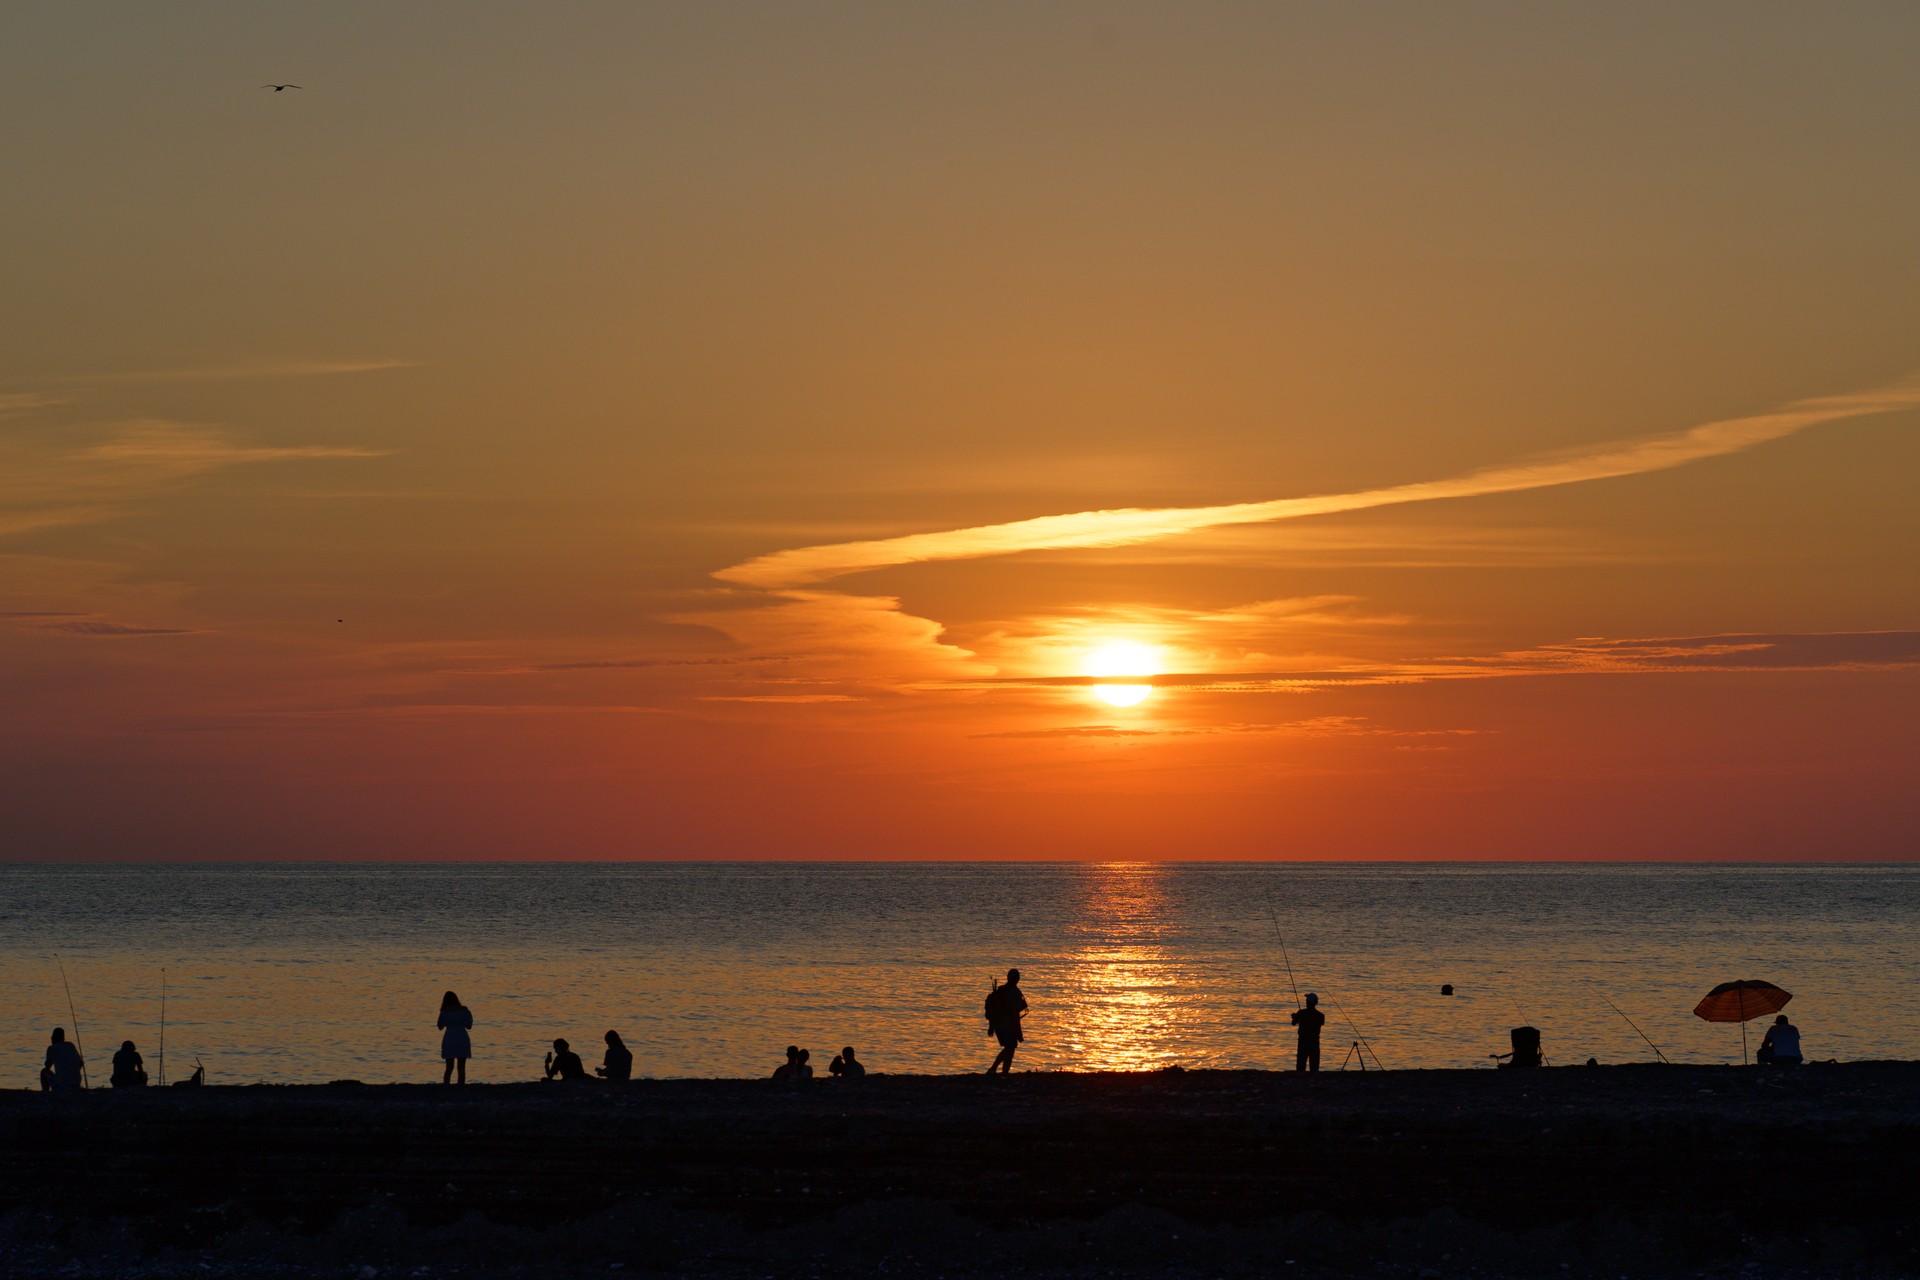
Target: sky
<point>1082,431</point>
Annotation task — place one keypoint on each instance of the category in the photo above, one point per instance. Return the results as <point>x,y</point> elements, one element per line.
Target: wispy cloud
<point>51,482</point>
<point>803,565</point>
<point>241,371</point>
<point>26,401</point>
<point>86,625</point>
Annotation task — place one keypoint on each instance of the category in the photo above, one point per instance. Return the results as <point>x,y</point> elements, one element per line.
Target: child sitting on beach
<point>564,1064</point>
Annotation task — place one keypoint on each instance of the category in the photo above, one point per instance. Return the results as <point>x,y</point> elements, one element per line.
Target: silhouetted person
<point>564,1064</point>
<point>1006,1006</point>
<point>1306,1057</point>
<point>456,1046</point>
<point>846,1066</point>
<point>617,1067</point>
<point>801,1071</point>
<point>62,1069</point>
<point>1526,1048</point>
<point>1780,1047</point>
<point>1446,988</point>
<point>129,1072</point>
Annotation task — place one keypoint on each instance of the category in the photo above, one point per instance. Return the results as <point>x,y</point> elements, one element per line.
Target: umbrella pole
<point>1743,1044</point>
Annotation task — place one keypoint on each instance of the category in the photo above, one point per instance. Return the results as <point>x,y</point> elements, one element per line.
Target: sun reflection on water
<point>1123,1000</point>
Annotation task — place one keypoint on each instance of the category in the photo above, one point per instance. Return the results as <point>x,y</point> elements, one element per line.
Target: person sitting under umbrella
<point>1781,1047</point>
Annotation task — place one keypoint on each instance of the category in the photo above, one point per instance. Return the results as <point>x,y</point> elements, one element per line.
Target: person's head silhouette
<point>560,1046</point>
<point>1312,999</point>
<point>793,1053</point>
<point>1013,977</point>
<point>847,1053</point>
<point>126,1046</point>
<point>59,1034</point>
<point>613,1037</point>
<point>1780,1021</point>
<point>804,1055</point>
<point>449,1001</point>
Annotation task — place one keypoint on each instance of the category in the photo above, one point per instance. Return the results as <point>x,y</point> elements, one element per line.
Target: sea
<point>285,973</point>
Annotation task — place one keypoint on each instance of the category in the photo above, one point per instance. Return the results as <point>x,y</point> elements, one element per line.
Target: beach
<point>1627,1170</point>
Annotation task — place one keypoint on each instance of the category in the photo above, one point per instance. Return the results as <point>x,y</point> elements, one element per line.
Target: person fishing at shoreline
<point>129,1069</point>
<point>1309,1020</point>
<point>63,1064</point>
<point>1006,1006</point>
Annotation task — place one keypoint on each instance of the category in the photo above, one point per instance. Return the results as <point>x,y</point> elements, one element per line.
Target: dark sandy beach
<point>1637,1170</point>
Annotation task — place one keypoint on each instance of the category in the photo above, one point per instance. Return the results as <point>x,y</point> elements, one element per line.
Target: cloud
<point>171,446</point>
<point>84,624</point>
<point>1732,652</point>
<point>50,483</point>
<point>26,401</point>
<point>236,372</point>
<point>804,565</point>
<point>781,697</point>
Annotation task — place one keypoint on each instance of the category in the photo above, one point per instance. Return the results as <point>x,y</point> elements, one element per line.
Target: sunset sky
<point>754,430</point>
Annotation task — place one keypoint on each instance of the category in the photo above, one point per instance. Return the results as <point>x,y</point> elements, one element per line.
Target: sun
<point>1123,658</point>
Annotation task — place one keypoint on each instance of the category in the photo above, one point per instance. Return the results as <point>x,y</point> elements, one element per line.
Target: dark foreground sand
<point>1624,1171</point>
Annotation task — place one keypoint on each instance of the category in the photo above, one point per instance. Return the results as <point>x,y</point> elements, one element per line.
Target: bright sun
<point>1123,658</point>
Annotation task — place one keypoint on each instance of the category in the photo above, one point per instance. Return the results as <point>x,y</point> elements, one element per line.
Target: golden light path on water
<point>1121,1009</point>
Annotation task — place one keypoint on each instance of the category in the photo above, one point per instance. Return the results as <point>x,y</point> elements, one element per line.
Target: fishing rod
<point>74,1018</point>
<point>163,1024</point>
<point>1275,917</point>
<point>1636,1027</point>
<point>1359,1039</point>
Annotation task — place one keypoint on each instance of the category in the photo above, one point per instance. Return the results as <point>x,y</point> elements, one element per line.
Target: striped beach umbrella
<point>1740,1001</point>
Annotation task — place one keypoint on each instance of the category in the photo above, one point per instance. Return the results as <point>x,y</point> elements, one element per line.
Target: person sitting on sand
<point>846,1067</point>
<point>129,1072</point>
<point>801,1071</point>
<point>1781,1045</point>
<point>617,1068</point>
<point>1306,1056</point>
<point>63,1064</point>
<point>788,1070</point>
<point>564,1064</point>
<point>1006,1006</point>
<point>456,1046</point>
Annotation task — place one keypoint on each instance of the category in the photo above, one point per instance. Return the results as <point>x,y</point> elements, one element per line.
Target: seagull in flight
<point>278,87</point>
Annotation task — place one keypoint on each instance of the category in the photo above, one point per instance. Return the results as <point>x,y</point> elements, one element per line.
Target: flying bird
<point>278,87</point>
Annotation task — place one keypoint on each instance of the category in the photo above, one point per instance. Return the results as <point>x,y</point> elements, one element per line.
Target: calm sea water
<point>288,973</point>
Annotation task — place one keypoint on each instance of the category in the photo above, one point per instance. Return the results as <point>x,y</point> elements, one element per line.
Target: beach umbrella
<point>1739,1002</point>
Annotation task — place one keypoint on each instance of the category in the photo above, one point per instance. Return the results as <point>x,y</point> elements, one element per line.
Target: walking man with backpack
<point>1005,1007</point>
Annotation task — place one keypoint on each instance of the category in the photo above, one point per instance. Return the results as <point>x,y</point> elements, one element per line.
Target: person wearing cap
<point>1309,1020</point>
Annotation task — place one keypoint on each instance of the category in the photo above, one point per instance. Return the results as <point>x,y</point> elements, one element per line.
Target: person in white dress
<point>456,1046</point>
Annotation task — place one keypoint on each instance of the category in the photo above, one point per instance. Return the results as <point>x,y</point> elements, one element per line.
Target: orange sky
<point>599,430</point>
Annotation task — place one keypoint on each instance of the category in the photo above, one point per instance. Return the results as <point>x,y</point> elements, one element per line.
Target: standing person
<point>456,1046</point>
<point>129,1071</point>
<point>1006,1006</point>
<point>62,1069</point>
<point>1781,1045</point>
<point>617,1066</point>
<point>1309,1020</point>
